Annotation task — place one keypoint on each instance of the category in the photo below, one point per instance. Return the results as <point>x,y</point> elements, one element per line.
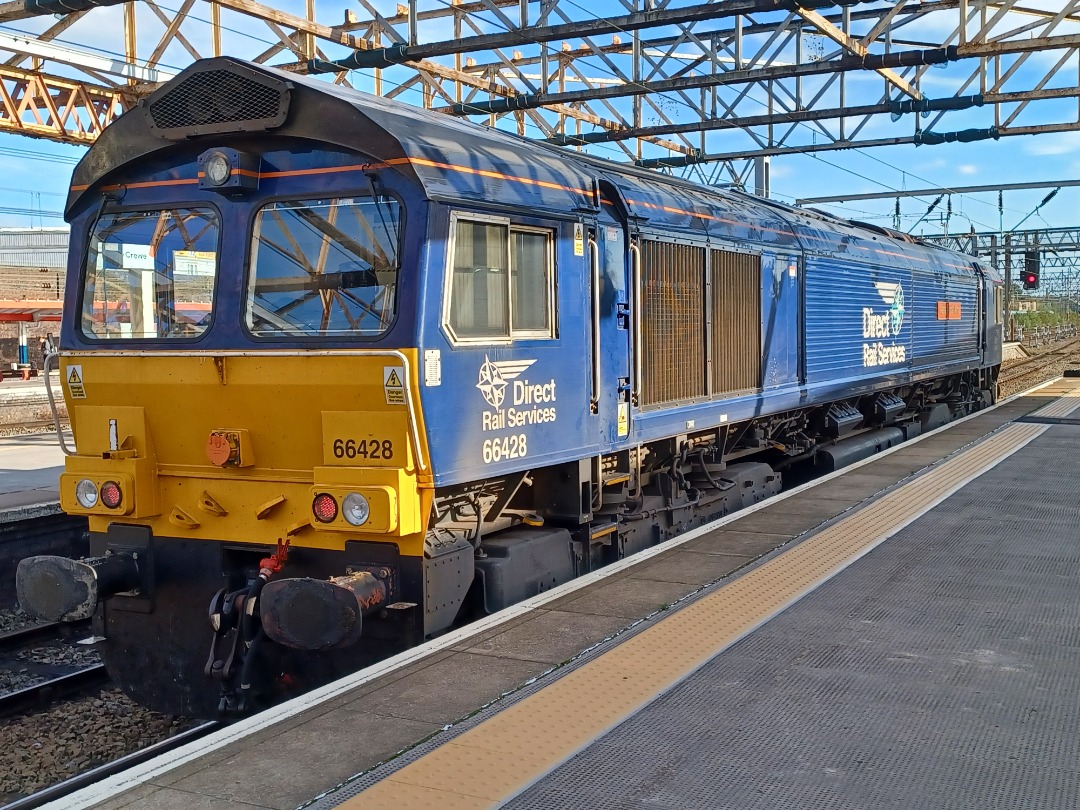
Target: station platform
<point>898,634</point>
<point>30,468</point>
<point>30,465</point>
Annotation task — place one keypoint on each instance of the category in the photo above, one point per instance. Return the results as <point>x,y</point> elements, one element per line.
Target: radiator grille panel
<point>219,100</point>
<point>736,322</point>
<point>673,322</point>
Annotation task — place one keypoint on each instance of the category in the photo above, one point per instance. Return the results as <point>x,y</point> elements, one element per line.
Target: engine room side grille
<point>736,322</point>
<point>214,100</point>
<point>673,322</point>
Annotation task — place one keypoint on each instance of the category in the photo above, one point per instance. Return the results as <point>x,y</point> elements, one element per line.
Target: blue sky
<point>35,173</point>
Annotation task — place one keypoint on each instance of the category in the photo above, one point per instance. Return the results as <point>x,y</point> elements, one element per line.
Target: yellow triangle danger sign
<point>73,377</point>
<point>392,381</point>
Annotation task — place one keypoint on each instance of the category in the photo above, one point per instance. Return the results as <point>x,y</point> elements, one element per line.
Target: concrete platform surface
<point>937,671</point>
<point>30,468</point>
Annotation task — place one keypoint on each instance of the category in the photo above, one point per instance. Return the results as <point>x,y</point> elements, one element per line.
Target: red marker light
<point>324,507</point>
<point>110,494</point>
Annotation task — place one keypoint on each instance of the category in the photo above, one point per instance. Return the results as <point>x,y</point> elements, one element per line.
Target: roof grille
<point>208,100</point>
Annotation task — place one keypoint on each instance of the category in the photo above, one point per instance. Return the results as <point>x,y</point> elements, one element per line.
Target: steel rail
<point>1033,365</point>
<point>24,635</point>
<point>41,693</point>
<point>78,782</point>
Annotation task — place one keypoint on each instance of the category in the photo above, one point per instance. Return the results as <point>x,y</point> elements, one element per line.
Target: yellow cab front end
<point>233,447</point>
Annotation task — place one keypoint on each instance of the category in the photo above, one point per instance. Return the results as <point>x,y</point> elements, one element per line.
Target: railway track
<point>32,424</point>
<point>69,786</point>
<point>55,685</point>
<point>59,715</point>
<point>1039,363</point>
<point>41,694</point>
<point>29,426</point>
<point>26,406</point>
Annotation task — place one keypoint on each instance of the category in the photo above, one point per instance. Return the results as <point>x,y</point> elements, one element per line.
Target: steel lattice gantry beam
<point>704,88</point>
<point>38,104</point>
<point>730,81</point>
<point>1058,251</point>
<point>1058,248</point>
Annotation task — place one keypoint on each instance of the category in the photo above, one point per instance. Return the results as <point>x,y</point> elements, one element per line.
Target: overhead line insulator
<point>924,105</point>
<point>963,136</point>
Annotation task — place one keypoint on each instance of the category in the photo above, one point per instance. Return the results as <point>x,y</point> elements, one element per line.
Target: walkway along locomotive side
<point>341,372</point>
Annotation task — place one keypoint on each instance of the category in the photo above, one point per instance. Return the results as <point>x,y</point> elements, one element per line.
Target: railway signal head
<point>1031,270</point>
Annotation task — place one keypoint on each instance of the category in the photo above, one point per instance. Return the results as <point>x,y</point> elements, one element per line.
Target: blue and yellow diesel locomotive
<point>341,372</point>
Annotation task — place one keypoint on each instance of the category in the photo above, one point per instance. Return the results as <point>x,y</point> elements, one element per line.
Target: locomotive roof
<point>455,160</point>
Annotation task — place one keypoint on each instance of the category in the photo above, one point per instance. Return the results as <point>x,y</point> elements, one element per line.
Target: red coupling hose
<point>268,566</point>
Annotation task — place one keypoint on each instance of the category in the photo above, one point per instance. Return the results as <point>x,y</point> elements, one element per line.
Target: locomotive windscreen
<point>324,267</point>
<point>151,274</point>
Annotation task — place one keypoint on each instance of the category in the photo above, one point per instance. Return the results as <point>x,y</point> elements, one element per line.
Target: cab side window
<point>531,282</point>
<point>480,284</point>
<point>501,281</point>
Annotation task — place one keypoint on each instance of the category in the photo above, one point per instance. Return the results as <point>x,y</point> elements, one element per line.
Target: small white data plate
<point>432,367</point>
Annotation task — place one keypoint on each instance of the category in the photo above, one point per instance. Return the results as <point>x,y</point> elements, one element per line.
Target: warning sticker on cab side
<point>394,385</point>
<point>74,379</point>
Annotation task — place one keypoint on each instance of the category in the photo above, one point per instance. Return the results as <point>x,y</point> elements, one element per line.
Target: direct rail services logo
<point>500,382</point>
<point>495,376</point>
<point>885,325</point>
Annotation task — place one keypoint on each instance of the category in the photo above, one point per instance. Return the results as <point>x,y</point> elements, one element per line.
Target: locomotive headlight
<point>86,493</point>
<point>218,168</point>
<point>355,509</point>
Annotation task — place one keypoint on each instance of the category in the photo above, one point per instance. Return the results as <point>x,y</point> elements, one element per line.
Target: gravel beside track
<point>15,619</point>
<point>29,430</point>
<point>73,736</point>
<point>1058,357</point>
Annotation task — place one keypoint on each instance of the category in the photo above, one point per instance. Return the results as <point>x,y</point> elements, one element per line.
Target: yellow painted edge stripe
<point>494,761</point>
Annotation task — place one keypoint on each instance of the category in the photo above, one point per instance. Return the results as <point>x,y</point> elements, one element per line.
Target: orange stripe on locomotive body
<point>355,168</point>
<point>487,173</point>
<point>145,420</point>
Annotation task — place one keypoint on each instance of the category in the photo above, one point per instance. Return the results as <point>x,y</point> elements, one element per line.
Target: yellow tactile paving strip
<point>1059,408</point>
<point>500,757</point>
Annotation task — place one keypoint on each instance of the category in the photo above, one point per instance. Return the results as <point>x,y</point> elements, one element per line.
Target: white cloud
<point>778,170</point>
<point>967,168</point>
<point>1054,143</point>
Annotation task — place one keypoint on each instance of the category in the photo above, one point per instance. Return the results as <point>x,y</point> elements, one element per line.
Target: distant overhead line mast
<point>929,192</point>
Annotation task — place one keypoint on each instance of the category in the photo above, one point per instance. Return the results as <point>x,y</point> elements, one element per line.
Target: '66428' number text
<point>364,448</point>
<point>504,448</point>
